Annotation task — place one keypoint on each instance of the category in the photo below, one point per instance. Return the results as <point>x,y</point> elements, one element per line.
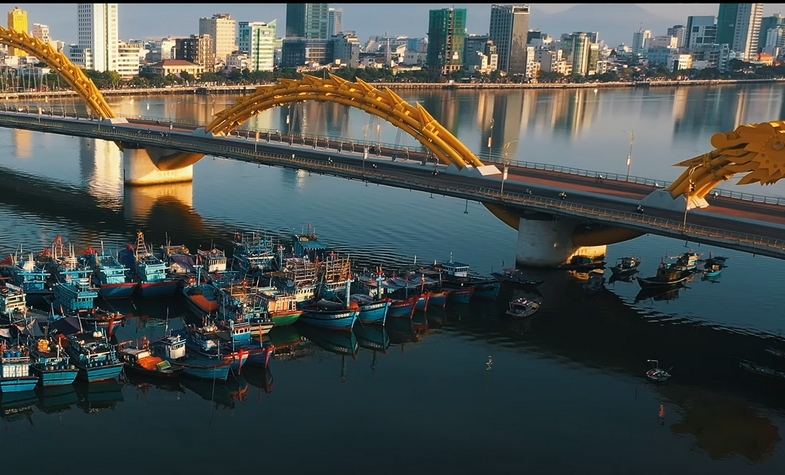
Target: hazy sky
<point>615,22</point>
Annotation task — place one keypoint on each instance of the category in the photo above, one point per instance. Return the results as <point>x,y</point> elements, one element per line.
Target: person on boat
<point>640,208</point>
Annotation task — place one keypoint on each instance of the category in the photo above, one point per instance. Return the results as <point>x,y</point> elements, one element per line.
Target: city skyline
<point>615,23</point>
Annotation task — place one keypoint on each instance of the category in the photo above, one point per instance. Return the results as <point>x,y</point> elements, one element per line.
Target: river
<point>462,390</point>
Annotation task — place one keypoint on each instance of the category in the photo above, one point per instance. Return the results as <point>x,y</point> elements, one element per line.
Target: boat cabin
<point>12,299</point>
<point>213,260</point>
<point>456,269</point>
<point>170,347</point>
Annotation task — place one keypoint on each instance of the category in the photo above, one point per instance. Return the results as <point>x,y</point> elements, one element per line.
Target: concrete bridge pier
<point>547,241</point>
<point>139,168</point>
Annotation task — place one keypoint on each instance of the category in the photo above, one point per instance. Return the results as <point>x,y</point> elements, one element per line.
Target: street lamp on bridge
<point>629,154</point>
<point>506,163</point>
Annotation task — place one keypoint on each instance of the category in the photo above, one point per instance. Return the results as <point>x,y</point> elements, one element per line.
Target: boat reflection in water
<point>288,342</point>
<point>56,399</point>
<point>17,405</point>
<point>374,338</point>
<point>96,397</point>
<point>259,377</point>
<point>659,294</point>
<point>225,395</point>
<point>340,343</point>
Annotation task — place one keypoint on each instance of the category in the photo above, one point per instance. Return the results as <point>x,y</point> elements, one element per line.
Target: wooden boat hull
<point>94,374</point>
<point>117,291</point>
<point>18,385</point>
<point>422,302</point>
<point>461,295</point>
<point>171,373</point>
<point>487,290</point>
<point>438,298</point>
<point>284,319</point>
<point>165,288</point>
<point>204,368</point>
<point>54,377</point>
<point>374,313</point>
<point>402,308</point>
<point>647,283</point>
<point>342,320</point>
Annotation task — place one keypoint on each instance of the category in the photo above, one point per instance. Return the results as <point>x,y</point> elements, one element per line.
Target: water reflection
<point>22,143</point>
<point>101,168</point>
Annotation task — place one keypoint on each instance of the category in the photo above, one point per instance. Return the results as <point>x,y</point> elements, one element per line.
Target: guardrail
<point>303,138</point>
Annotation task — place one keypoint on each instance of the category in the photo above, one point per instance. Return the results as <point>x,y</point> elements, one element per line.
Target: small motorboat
<point>712,268</point>
<point>657,374</point>
<point>522,308</point>
<point>667,276</point>
<point>625,266</point>
<point>139,358</point>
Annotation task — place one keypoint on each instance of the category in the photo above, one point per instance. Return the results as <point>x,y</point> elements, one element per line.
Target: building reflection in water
<point>22,143</point>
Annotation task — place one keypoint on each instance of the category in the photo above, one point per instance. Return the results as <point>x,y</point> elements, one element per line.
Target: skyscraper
<point>766,24</point>
<point>640,40</point>
<point>307,20</point>
<point>509,32</point>
<point>738,25</point>
<point>17,21</point>
<point>97,36</point>
<point>334,21</point>
<point>701,30</point>
<point>197,50</point>
<point>446,34</point>
<point>257,40</point>
<point>223,31</point>
<point>679,32</point>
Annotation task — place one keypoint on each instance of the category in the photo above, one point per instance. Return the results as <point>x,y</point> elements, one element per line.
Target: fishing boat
<point>402,308</point>
<point>214,260</point>
<point>580,262</point>
<point>625,266</point>
<point>94,356</point>
<point>13,302</point>
<point>111,277</point>
<point>206,341</point>
<point>331,315</point>
<point>73,293</point>
<point>151,272</point>
<point>242,313</point>
<point>253,252</point>
<point>522,307</point>
<point>657,374</point>
<point>203,299</point>
<point>51,363</point>
<point>687,262</point>
<point>281,307</point>
<point>487,289</point>
<point>15,369</point>
<point>668,275</point>
<point>372,312</point>
<point>307,244</point>
<point>32,278</point>
<point>516,277</point>
<point>140,359</point>
<point>172,348</point>
<point>711,268</point>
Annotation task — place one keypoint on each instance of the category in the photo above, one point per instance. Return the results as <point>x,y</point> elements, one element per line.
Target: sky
<point>614,22</point>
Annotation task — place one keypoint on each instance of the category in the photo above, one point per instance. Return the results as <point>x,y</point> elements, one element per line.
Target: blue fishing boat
<point>112,278</point>
<point>403,308</point>
<point>330,315</point>
<point>75,294</point>
<point>242,313</point>
<point>172,348</point>
<point>94,356</point>
<point>307,244</point>
<point>151,272</point>
<point>253,252</point>
<point>206,341</point>
<point>373,312</point>
<point>15,369</point>
<point>32,278</point>
<point>51,364</point>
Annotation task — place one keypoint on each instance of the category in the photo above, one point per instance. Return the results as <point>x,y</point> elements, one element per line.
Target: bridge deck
<point>729,222</point>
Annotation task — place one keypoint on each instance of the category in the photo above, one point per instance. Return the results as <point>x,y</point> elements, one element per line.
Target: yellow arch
<point>60,63</point>
<point>756,149</point>
<point>414,120</point>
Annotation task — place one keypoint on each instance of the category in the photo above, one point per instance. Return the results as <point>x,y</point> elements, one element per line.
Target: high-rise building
<point>640,40</point>
<point>701,30</point>
<point>679,31</point>
<point>346,48</point>
<point>17,21</point>
<point>307,20</point>
<point>97,40</point>
<point>223,30</point>
<point>738,25</point>
<point>446,34</point>
<point>334,21</point>
<point>766,24</point>
<point>197,50</point>
<point>509,30</point>
<point>580,53</point>
<point>128,60</point>
<point>257,40</point>
<point>41,32</point>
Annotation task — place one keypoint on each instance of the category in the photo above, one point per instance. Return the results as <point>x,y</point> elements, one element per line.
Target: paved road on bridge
<point>603,201</point>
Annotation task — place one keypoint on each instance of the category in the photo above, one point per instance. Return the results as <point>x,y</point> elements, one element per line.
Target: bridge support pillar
<point>548,242</point>
<point>140,169</point>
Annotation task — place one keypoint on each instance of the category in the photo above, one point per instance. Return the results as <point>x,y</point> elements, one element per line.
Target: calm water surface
<point>462,390</point>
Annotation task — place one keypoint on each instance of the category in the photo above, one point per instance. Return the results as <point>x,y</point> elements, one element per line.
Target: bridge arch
<point>386,104</point>
<point>755,149</point>
<point>72,74</point>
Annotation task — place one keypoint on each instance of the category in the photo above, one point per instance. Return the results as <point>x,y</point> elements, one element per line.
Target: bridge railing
<point>417,151</point>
